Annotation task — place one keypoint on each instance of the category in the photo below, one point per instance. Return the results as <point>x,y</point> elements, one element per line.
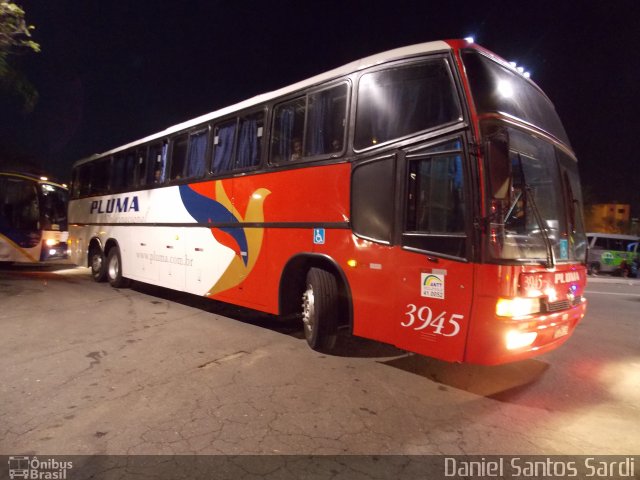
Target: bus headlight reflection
<point>516,339</point>
<point>517,307</point>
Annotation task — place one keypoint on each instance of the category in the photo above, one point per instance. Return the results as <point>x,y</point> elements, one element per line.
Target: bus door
<point>435,279</point>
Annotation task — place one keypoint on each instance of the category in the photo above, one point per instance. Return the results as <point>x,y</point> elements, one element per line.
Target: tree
<point>15,39</point>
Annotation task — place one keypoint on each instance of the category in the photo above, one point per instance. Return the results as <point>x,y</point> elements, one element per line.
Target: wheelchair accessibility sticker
<point>318,236</point>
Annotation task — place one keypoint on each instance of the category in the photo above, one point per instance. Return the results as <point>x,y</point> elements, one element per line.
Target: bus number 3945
<point>423,318</point>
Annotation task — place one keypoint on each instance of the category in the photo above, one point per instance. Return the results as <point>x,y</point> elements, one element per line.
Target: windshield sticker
<point>564,249</point>
<point>432,285</point>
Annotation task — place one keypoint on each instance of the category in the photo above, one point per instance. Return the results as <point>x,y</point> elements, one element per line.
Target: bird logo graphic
<point>229,228</point>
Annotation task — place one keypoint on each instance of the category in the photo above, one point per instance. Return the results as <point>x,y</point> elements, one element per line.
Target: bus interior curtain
<point>224,148</point>
<point>287,116</point>
<point>197,152</point>
<point>248,144</point>
<point>401,102</point>
<point>317,118</point>
<point>163,171</point>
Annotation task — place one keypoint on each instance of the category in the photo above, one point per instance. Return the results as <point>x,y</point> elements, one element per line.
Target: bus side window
<point>250,141</point>
<point>197,154</point>
<point>288,130</point>
<point>435,205</point>
<point>156,163</point>
<point>178,156</point>
<point>117,173</point>
<point>84,179</point>
<point>223,142</point>
<point>130,170</point>
<point>324,132</point>
<point>99,176</point>
<point>141,167</point>
<point>401,101</point>
<point>601,243</point>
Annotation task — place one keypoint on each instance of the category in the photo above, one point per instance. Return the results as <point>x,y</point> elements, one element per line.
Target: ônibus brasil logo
<point>36,469</point>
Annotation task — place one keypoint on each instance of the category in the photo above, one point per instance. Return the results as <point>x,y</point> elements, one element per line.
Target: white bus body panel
<point>180,257</point>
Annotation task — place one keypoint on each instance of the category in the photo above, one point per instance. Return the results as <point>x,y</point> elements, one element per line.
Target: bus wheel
<point>594,268</point>
<point>98,265</point>
<point>320,309</point>
<point>114,269</point>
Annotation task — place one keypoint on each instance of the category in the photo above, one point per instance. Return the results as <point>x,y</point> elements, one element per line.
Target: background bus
<point>33,218</point>
<point>610,252</point>
<point>426,197</point>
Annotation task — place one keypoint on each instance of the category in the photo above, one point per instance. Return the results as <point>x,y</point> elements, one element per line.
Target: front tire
<point>320,309</point>
<point>594,268</point>
<point>114,269</point>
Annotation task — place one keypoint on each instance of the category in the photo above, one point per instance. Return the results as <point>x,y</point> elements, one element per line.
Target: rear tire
<point>114,269</point>
<point>320,309</point>
<point>98,264</point>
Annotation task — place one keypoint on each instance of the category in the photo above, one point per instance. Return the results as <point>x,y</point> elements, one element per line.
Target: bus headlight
<point>517,307</point>
<point>50,242</point>
<point>516,339</point>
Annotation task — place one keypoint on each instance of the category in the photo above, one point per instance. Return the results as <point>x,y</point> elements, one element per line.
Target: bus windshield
<point>497,89</point>
<point>535,205</point>
<point>53,207</point>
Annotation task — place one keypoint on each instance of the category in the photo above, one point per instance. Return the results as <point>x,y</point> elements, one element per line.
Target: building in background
<point>608,218</point>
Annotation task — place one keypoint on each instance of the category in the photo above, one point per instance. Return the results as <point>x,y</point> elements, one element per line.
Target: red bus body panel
<point>454,321</point>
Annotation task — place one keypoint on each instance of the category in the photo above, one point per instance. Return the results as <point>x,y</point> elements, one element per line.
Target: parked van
<point>608,251</point>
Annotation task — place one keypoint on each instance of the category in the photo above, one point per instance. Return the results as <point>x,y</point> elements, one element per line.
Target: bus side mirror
<point>499,166</point>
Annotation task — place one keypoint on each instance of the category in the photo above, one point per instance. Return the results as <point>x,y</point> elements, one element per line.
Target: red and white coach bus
<point>426,197</point>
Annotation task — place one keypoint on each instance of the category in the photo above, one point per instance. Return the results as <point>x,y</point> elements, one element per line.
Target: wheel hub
<point>96,263</point>
<point>113,267</point>
<point>308,310</point>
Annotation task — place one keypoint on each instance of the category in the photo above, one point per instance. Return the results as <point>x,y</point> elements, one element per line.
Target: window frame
<point>429,151</point>
<point>306,94</point>
<point>236,119</point>
<point>454,79</point>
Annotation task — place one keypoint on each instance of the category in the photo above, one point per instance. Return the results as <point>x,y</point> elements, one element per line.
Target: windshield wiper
<point>512,207</point>
<point>550,263</point>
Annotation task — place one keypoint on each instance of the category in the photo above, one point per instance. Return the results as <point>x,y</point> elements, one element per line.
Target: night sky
<point>114,71</point>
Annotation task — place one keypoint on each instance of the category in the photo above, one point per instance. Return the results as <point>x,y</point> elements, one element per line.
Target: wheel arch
<point>293,283</point>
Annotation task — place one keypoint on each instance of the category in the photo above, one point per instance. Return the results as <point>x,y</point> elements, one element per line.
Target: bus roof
<point>33,177</point>
<point>377,59</point>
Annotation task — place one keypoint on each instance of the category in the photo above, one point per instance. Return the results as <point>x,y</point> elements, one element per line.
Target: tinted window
<point>84,179</point>
<point>141,166</point>
<point>53,207</point>
<point>372,194</point>
<point>435,202</point>
<point>223,142</point>
<point>99,180</point>
<point>179,156</point>
<point>496,88</point>
<point>400,101</point>
<point>130,169</point>
<point>196,158</point>
<point>156,163</point>
<point>238,143</point>
<point>19,207</point>
<point>288,131</point>
<point>250,141</point>
<point>324,132</point>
